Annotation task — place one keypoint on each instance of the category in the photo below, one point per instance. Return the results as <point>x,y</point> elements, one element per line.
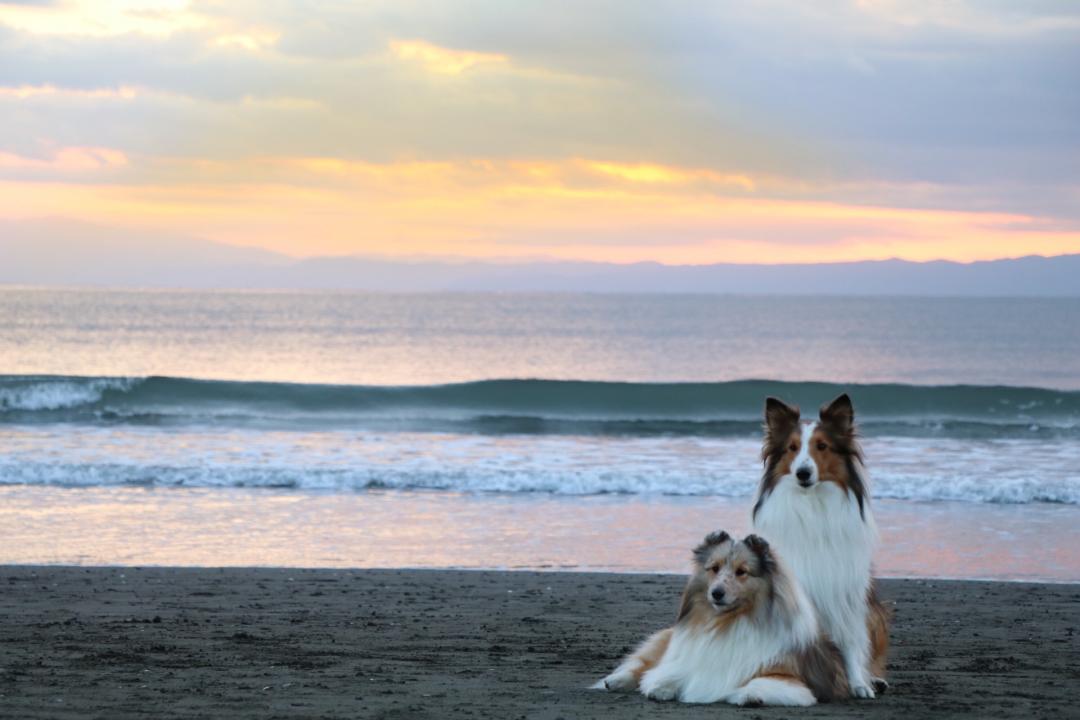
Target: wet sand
<point>268,643</point>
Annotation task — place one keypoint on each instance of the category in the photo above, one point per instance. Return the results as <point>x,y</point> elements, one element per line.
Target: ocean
<point>520,430</point>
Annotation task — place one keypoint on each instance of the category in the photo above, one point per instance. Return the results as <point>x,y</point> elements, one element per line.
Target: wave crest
<point>541,407</point>
<point>43,393</point>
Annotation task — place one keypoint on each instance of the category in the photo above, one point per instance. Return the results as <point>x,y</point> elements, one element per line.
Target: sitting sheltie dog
<point>746,634</point>
<point>814,505</point>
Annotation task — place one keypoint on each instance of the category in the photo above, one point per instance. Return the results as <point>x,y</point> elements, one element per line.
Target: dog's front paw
<point>662,693</point>
<point>742,698</point>
<point>861,683</point>
<point>880,685</point>
<point>658,688</point>
<point>618,681</point>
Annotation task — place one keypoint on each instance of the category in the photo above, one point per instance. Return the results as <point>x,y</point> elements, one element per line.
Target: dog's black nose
<point>718,594</point>
<point>803,474</point>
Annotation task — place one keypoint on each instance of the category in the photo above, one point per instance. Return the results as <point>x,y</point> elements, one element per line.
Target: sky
<point>687,132</point>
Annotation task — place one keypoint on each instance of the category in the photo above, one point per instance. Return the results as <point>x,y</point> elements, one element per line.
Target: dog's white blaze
<point>803,459</point>
<point>829,547</point>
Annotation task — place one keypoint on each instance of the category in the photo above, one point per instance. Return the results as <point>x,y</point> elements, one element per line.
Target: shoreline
<point>129,642</point>
<point>562,570</point>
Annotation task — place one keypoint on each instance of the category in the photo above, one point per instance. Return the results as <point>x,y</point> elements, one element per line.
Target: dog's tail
<point>821,667</point>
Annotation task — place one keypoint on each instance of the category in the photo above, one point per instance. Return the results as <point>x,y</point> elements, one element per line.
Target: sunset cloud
<point>443,61</point>
<point>649,173</point>
<point>797,132</point>
<point>491,208</point>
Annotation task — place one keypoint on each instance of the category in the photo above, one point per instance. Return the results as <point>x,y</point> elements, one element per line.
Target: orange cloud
<point>652,173</point>
<point>440,60</point>
<point>485,208</point>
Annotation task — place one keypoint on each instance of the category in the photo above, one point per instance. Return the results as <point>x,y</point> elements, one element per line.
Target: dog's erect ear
<point>701,552</point>
<point>717,537</point>
<point>756,543</point>
<point>760,547</point>
<point>780,418</point>
<point>839,415</point>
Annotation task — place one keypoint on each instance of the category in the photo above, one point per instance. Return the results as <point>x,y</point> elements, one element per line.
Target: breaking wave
<point>536,406</point>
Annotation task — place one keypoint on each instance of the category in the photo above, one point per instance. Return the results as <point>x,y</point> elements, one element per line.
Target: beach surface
<point>124,642</point>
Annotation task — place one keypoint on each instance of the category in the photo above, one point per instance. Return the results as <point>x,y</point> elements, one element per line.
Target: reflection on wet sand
<point>245,527</point>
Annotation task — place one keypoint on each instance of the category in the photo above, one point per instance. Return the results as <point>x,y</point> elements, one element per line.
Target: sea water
<point>414,410</point>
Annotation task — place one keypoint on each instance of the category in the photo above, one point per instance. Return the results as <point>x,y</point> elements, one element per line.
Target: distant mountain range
<point>54,252</point>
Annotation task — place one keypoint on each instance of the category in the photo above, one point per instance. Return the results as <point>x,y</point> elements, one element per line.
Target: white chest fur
<point>825,542</point>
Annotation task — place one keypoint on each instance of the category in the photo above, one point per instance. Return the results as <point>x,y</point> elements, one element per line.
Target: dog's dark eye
<point>793,447</point>
<point>714,569</point>
<point>822,447</point>
<point>740,572</point>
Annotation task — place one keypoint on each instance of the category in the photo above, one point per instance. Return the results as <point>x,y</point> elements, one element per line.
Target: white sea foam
<point>58,393</point>
<point>902,468</point>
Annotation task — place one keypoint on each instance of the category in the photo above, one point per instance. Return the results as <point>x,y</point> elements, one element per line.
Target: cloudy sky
<point>682,132</point>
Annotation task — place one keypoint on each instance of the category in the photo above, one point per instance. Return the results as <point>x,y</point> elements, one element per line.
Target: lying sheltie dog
<point>746,634</point>
<point>814,505</point>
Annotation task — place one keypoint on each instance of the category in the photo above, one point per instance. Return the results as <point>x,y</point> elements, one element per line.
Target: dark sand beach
<point>267,643</point>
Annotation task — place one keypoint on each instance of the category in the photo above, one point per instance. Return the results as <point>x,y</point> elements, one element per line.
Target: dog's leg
<point>627,676</point>
<point>658,684</point>
<point>624,678</point>
<point>772,691</point>
<point>854,642</point>
<point>877,626</point>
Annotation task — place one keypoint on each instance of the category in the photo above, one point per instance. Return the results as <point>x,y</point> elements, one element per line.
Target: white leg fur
<point>770,691</point>
<point>853,641</point>
<point>621,679</point>
<point>659,685</point>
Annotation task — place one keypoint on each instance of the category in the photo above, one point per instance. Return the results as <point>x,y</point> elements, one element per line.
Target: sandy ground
<point>267,643</point>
